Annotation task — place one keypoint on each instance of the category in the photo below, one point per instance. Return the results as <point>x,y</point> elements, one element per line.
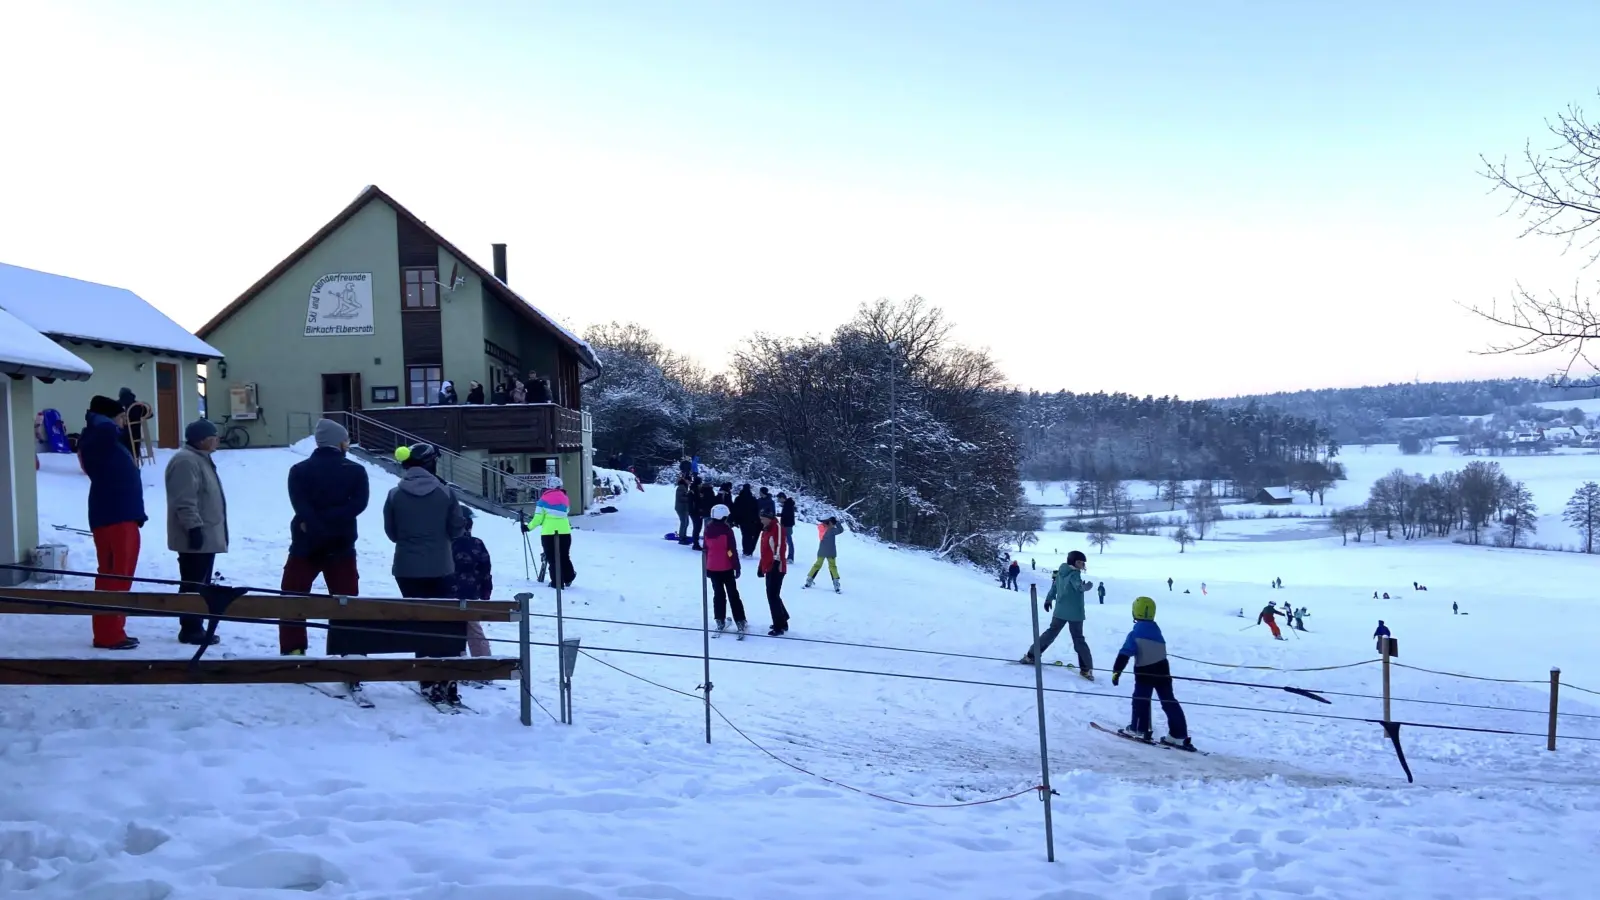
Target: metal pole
<point>1384,647</point>
<point>1555,693</point>
<point>561,668</point>
<point>894,472</point>
<point>705,639</point>
<point>1044,748</point>
<point>525,639</point>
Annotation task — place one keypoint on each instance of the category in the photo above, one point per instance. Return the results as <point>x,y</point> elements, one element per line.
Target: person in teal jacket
<point>1066,595</point>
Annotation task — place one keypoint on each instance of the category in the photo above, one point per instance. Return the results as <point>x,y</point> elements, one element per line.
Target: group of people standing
<point>517,390</point>
<point>723,567</point>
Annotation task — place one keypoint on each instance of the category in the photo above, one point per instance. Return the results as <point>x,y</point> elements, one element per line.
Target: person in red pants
<point>116,511</point>
<point>328,493</point>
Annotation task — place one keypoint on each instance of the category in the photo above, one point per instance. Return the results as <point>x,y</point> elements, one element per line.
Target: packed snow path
<point>234,791</point>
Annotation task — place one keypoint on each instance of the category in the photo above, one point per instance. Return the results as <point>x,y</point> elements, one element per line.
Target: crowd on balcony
<point>533,389</point>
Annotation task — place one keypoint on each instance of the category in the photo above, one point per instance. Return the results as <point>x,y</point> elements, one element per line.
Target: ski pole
<point>1248,627</point>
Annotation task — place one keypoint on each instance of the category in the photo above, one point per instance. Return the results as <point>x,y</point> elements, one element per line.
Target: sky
<point>1199,199</point>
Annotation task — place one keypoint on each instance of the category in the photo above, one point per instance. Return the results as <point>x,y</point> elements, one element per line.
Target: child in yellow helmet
<point>1147,649</point>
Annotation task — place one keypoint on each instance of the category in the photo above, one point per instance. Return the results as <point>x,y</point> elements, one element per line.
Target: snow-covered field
<point>257,791</point>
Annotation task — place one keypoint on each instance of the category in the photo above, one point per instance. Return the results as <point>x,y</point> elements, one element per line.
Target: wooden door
<point>167,412</point>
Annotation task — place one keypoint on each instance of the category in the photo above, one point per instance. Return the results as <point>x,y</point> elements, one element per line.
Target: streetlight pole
<point>894,437</point>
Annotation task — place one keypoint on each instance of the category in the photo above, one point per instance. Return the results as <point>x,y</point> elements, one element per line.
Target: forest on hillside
<point>1107,437</point>
<point>1366,414</point>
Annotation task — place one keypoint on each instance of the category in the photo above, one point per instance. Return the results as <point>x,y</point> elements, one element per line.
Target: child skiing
<point>1147,649</point>
<point>1067,596</point>
<point>1269,615</point>
<point>827,551</point>
<point>723,568</point>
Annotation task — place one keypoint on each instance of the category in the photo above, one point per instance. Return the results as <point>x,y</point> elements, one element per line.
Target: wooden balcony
<point>512,428</point>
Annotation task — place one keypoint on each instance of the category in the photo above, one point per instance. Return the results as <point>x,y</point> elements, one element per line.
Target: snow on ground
<point>251,791</point>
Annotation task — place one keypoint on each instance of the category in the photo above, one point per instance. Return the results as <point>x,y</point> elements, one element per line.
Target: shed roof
<point>1278,493</point>
<point>24,351</point>
<point>65,307</point>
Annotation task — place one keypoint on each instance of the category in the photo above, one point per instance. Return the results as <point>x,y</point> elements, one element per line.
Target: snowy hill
<point>234,791</point>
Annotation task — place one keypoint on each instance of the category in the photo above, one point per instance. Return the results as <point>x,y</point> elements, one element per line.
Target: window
<point>425,382</point>
<point>388,394</point>
<point>422,288</point>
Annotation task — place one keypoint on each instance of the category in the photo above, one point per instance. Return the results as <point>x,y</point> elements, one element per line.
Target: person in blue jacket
<point>116,511</point>
<point>1147,649</point>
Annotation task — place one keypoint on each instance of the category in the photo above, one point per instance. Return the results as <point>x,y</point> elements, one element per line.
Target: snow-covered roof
<point>24,351</point>
<point>66,307</point>
<point>1278,493</point>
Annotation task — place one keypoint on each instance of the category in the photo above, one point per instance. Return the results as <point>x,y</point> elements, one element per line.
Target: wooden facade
<point>513,428</point>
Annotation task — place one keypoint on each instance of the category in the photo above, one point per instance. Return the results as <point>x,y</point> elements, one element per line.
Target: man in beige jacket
<point>197,518</point>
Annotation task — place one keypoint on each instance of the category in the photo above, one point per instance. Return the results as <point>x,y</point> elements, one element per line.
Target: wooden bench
<point>277,670</point>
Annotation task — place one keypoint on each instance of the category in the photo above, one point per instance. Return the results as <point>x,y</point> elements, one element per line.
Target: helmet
<point>1144,609</point>
<point>1076,556</point>
<point>720,512</point>
<point>424,455</point>
<point>552,482</point>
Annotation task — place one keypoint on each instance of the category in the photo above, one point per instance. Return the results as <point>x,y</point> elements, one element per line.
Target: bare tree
<point>1359,523</point>
<point>1556,193</point>
<point>1100,534</point>
<point>1183,537</point>
<point>1172,492</point>
<point>1342,523</point>
<point>1521,513</point>
<point>1204,509</point>
<point>1583,513</point>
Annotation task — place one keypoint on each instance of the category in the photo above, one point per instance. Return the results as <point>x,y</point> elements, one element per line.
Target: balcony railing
<point>510,428</point>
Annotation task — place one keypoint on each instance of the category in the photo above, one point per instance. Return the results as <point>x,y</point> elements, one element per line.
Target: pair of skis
<point>1141,739</point>
<point>357,694</point>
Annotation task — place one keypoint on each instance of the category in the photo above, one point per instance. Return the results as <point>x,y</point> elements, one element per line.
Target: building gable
<point>69,308</point>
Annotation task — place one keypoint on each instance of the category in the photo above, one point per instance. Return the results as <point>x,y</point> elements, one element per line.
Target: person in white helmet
<point>723,568</point>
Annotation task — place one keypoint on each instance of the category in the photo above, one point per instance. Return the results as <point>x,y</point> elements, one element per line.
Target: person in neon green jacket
<point>1066,595</point>
<point>555,530</point>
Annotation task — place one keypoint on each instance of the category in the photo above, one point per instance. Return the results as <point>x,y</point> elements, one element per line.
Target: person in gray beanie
<point>328,492</point>
<point>197,518</point>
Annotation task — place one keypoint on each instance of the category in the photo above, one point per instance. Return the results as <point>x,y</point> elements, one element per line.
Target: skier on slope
<point>1269,615</point>
<point>1066,594</point>
<point>723,568</point>
<point>1101,589</point>
<point>1146,648</point>
<point>550,518</point>
<point>1169,584</point>
<point>828,531</point>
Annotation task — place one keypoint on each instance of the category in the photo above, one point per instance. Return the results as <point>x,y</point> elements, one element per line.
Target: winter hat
<point>1144,609</point>
<point>126,397</point>
<point>330,433</point>
<point>1076,556</point>
<point>467,514</point>
<point>401,454</point>
<point>105,406</point>
<point>198,431</point>
<point>720,512</point>
<point>552,482</point>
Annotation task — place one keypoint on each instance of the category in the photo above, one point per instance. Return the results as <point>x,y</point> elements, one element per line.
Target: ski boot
<point>742,628</point>
<point>1027,659</point>
<point>1136,734</point>
<point>809,583</point>
<point>722,625</point>
<point>836,589</point>
<point>1179,743</point>
<point>1086,674</point>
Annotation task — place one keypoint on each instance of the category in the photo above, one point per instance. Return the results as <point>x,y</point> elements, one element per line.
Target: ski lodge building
<point>368,318</point>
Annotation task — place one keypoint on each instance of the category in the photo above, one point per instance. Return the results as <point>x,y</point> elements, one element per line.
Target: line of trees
<point>1101,439</point>
<point>1470,501</point>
